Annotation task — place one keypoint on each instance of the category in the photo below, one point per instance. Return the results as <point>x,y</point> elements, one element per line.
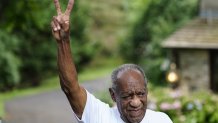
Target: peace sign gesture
<point>61,23</point>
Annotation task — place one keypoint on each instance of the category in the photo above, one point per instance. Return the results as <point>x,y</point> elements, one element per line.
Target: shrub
<point>9,62</point>
<point>198,108</point>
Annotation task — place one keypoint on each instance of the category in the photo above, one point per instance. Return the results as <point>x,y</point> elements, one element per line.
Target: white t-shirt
<point>98,112</point>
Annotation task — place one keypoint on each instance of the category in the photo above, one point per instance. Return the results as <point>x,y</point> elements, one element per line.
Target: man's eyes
<point>126,96</point>
<point>140,94</point>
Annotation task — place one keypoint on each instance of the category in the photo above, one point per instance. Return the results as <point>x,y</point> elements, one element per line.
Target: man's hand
<point>61,23</point>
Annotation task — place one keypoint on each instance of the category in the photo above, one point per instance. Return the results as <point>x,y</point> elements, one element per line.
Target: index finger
<point>57,6</point>
<point>69,7</point>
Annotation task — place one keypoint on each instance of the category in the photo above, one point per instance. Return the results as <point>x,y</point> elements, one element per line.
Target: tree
<point>158,21</point>
<point>28,22</point>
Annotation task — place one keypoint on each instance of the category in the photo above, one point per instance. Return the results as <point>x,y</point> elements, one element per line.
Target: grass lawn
<point>53,83</point>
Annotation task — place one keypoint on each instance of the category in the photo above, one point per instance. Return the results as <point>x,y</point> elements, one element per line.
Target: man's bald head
<point>123,68</point>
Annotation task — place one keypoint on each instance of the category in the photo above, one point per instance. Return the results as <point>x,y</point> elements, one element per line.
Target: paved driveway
<point>49,107</point>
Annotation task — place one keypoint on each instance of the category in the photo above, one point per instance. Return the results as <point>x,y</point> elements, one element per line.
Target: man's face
<point>131,96</point>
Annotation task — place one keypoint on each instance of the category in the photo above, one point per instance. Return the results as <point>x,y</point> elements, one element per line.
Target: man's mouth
<point>135,113</point>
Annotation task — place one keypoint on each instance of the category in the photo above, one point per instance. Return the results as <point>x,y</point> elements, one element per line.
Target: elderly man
<point>129,87</point>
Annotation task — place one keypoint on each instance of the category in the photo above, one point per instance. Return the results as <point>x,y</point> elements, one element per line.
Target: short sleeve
<point>95,111</point>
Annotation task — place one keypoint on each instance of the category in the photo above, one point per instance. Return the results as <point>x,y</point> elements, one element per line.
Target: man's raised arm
<point>67,71</point>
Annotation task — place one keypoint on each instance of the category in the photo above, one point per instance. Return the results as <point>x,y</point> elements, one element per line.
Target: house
<point>194,49</point>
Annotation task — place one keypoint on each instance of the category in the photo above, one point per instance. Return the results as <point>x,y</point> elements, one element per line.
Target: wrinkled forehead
<point>130,79</point>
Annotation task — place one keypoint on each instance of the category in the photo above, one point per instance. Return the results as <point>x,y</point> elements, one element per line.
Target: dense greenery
<point>28,52</point>
<point>9,62</point>
<point>157,21</point>
<point>201,107</point>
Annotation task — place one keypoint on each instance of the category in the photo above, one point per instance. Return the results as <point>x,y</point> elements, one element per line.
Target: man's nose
<point>135,102</point>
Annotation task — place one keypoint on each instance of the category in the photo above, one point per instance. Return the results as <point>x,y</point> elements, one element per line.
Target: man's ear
<point>112,94</point>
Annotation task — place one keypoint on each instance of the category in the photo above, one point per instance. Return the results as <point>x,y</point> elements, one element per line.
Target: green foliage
<point>198,108</point>
<point>9,62</point>
<point>159,20</point>
<point>26,26</point>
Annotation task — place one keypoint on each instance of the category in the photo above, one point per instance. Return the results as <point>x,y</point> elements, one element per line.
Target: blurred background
<point>175,41</point>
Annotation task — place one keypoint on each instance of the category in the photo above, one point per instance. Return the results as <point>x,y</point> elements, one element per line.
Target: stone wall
<point>194,69</point>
